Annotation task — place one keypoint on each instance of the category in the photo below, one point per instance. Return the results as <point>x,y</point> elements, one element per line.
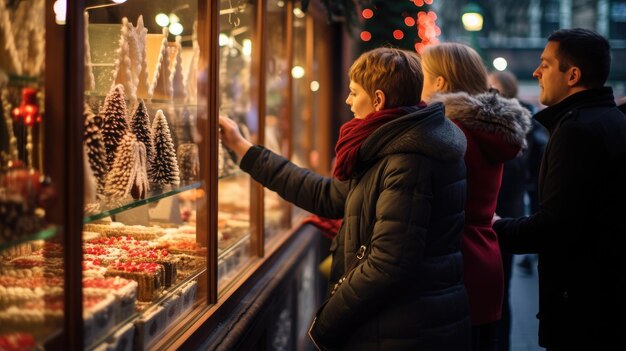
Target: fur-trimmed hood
<point>488,113</point>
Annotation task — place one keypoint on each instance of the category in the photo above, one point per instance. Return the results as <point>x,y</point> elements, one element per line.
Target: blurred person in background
<point>579,230</point>
<point>519,179</point>
<point>495,128</point>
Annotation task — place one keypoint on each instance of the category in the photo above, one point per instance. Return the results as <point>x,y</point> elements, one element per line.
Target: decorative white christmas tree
<point>188,162</point>
<point>186,127</point>
<point>90,80</point>
<point>178,84</point>
<point>128,173</point>
<point>94,147</point>
<point>9,57</point>
<point>28,35</point>
<point>114,126</point>
<point>140,126</point>
<point>143,86</point>
<point>164,167</point>
<point>159,75</point>
<point>123,71</point>
<point>191,76</point>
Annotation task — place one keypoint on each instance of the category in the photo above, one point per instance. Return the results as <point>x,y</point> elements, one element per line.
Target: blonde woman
<point>495,129</point>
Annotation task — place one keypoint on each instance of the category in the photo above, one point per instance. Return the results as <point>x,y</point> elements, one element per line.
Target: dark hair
<point>588,51</point>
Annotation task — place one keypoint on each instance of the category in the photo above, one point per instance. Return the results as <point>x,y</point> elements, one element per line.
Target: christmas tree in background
<point>94,147</point>
<point>164,167</point>
<point>395,23</point>
<point>114,125</point>
<point>128,171</point>
<point>140,126</point>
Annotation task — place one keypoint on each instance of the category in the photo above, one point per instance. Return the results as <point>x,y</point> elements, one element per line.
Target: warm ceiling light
<point>162,20</point>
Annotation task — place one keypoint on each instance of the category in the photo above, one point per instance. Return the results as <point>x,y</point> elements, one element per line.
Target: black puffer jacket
<point>406,203</point>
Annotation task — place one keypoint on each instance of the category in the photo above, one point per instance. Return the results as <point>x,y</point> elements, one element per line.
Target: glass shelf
<point>46,233</point>
<point>109,209</point>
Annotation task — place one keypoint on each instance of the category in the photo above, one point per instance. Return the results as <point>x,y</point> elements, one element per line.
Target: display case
<point>32,282</point>
<point>115,189</point>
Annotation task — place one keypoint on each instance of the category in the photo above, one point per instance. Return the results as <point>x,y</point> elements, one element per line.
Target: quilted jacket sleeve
<point>323,196</point>
<point>398,240</point>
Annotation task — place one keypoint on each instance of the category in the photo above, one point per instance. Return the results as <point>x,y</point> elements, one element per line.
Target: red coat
<point>495,129</point>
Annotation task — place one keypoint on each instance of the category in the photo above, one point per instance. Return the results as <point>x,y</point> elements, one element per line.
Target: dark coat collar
<point>550,116</point>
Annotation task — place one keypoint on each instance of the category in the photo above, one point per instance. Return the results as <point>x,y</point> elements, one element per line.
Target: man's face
<point>552,82</point>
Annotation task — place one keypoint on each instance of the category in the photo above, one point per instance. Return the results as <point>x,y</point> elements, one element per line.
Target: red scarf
<point>353,134</point>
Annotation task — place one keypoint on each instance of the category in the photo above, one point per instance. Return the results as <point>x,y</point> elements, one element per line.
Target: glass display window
<point>237,101</point>
<point>277,106</point>
<point>114,186</point>
<point>31,264</point>
<point>141,241</point>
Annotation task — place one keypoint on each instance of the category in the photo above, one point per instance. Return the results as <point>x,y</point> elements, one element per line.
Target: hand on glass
<point>232,138</point>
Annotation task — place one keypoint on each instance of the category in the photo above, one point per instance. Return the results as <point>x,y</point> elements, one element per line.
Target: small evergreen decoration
<point>188,162</point>
<point>186,127</point>
<point>164,167</point>
<point>140,126</point>
<point>114,125</point>
<point>128,171</point>
<point>94,146</point>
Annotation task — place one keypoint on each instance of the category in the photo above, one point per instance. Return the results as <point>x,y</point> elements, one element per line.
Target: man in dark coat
<point>579,231</point>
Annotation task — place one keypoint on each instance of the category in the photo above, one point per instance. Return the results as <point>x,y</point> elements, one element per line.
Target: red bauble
<point>22,182</point>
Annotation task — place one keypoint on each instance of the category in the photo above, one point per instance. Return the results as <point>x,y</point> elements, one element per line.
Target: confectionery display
<point>145,221</point>
<point>128,270</point>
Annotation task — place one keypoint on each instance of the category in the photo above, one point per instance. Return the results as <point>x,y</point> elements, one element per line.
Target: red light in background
<point>366,36</point>
<point>367,13</point>
<point>409,21</point>
<point>398,34</point>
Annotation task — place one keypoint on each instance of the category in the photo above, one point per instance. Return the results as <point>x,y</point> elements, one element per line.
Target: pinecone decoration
<point>128,170</point>
<point>115,122</point>
<point>140,126</point>
<point>188,162</point>
<point>94,145</point>
<point>164,167</point>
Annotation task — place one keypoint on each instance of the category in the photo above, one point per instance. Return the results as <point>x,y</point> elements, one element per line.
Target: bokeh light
<point>367,13</point>
<point>500,63</point>
<point>366,36</point>
<point>297,72</point>
<point>162,20</point>
<point>398,34</point>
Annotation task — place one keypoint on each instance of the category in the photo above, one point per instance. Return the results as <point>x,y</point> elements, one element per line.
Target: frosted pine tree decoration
<point>164,167</point>
<point>128,173</point>
<point>94,147</point>
<point>115,125</point>
<point>140,126</point>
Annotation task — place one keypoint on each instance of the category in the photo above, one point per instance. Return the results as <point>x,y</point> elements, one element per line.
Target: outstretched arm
<point>310,191</point>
